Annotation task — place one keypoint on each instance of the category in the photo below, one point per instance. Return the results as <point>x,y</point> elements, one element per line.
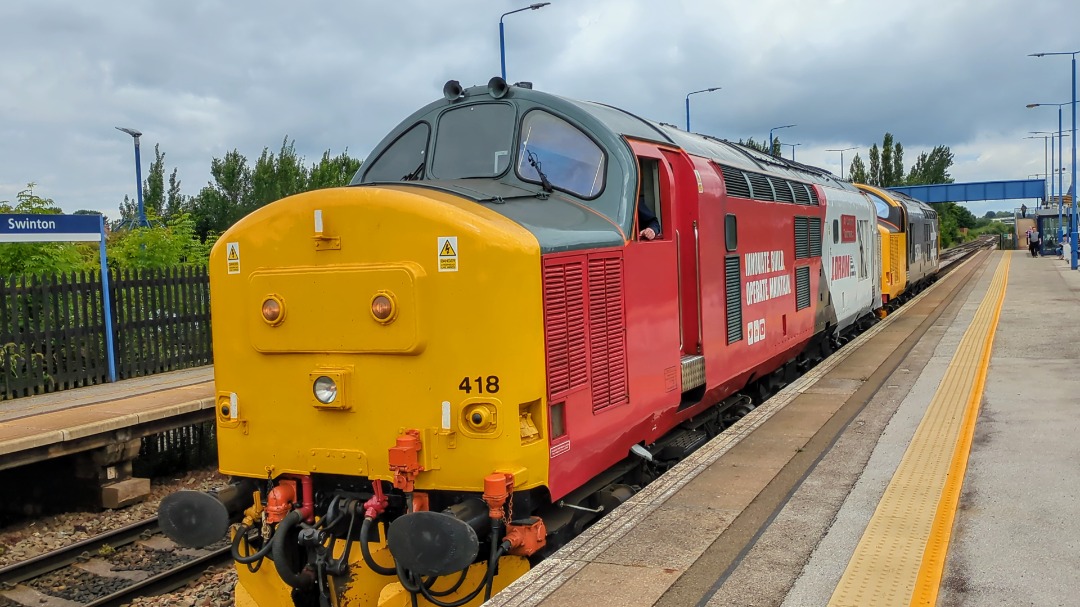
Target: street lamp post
<point>138,176</point>
<point>842,158</point>
<point>1073,218</point>
<point>777,128</point>
<point>1061,176</point>
<point>1046,167</point>
<point>708,90</point>
<point>502,32</point>
<point>792,148</point>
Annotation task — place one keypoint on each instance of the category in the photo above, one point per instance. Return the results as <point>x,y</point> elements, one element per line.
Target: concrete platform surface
<point>40,422</point>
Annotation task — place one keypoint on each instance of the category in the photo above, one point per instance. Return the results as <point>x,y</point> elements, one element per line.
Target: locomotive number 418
<point>480,383</point>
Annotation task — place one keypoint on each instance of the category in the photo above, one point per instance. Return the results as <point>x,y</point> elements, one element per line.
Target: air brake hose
<point>365,532</point>
<point>241,534</point>
<point>301,579</point>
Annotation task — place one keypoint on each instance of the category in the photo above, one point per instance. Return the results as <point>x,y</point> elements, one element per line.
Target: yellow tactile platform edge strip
<point>900,558</point>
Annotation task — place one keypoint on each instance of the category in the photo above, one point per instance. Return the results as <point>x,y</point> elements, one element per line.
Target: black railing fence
<point>52,328</point>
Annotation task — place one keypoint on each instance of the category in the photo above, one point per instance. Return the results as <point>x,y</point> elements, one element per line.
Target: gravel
<point>77,585</point>
<point>213,589</point>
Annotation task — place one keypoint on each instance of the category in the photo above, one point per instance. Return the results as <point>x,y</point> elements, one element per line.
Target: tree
<point>898,165</point>
<point>332,172</point>
<point>886,161</point>
<point>857,171</point>
<point>750,143</point>
<point>875,166</point>
<point>175,202</point>
<point>158,247</point>
<point>932,167</point>
<point>154,187</point>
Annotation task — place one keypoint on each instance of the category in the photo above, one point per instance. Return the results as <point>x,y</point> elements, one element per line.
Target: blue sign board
<point>50,228</point>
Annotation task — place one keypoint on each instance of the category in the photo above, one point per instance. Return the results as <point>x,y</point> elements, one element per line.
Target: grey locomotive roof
<point>610,126</point>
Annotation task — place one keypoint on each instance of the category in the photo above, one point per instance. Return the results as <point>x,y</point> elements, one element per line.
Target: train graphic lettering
<point>843,266</point>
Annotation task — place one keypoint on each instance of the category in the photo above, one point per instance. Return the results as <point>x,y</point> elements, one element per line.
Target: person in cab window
<point>647,221</point>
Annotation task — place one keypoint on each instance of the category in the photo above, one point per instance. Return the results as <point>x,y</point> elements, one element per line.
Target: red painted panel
<point>847,228</point>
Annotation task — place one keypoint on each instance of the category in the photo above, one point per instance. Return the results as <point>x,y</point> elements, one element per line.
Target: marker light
<point>273,312</point>
<point>382,308</point>
<point>325,390</point>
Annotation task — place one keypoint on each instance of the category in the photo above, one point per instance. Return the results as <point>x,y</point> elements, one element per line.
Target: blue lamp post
<point>1073,218</point>
<point>776,128</point>
<point>708,90</point>
<point>138,176</point>
<point>502,34</point>
<point>841,157</point>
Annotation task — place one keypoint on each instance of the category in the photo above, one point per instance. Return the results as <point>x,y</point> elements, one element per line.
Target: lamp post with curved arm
<point>708,90</point>
<point>1073,218</point>
<point>141,219</point>
<point>502,34</point>
<point>777,128</point>
<point>842,157</point>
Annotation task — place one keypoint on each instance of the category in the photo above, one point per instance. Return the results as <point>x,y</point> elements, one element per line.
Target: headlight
<point>325,390</point>
<point>382,308</point>
<point>273,310</point>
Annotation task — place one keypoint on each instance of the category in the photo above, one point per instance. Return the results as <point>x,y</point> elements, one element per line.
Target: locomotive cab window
<point>648,204</point>
<point>473,141</point>
<point>556,154</point>
<point>402,160</point>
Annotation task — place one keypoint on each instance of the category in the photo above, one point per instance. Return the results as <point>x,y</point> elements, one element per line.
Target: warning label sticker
<point>233,257</point>
<point>448,254</point>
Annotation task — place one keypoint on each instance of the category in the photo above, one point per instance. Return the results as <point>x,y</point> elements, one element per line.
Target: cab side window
<point>648,205</point>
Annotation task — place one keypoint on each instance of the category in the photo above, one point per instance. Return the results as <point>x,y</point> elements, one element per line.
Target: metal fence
<point>52,329</point>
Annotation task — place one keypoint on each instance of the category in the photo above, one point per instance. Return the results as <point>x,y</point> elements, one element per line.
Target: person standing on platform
<point>1033,239</point>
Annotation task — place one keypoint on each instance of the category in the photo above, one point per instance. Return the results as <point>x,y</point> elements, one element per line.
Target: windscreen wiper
<point>535,162</point>
<point>415,174</point>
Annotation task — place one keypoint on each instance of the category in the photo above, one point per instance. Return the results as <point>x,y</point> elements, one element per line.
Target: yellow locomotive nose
<point>344,317</point>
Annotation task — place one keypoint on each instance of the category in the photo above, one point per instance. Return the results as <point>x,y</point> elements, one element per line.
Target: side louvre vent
<point>760,187</point>
<point>783,190</point>
<point>607,338</point>
<point>894,258</point>
<point>733,296</point>
<point>813,226</point>
<point>735,182</point>
<point>802,287</point>
<point>802,193</point>
<point>564,325</point>
<point>802,238</point>
<point>813,195</point>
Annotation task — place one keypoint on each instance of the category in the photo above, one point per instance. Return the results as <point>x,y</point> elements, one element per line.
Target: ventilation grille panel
<point>813,226</point>
<point>733,286</point>
<point>607,338</point>
<point>735,182</point>
<point>802,238</point>
<point>802,287</point>
<point>564,325</point>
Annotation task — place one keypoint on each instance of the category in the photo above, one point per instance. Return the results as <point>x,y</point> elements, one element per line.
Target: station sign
<point>50,228</point>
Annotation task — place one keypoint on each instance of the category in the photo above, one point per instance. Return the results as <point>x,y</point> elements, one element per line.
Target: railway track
<point>107,570</point>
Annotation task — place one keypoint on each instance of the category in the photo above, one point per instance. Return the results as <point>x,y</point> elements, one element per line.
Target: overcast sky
<point>201,78</point>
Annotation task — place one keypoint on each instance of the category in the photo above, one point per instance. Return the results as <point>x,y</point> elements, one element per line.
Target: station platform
<point>37,428</point>
<point>930,461</point>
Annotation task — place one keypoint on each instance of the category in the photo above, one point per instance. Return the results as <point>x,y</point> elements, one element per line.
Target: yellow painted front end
<point>894,264</point>
<point>465,336</point>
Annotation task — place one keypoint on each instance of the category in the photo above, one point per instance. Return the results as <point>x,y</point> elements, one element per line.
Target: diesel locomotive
<point>434,377</point>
